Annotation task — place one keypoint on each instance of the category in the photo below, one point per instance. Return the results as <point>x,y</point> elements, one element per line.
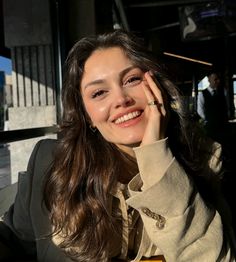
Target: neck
<point>129,166</point>
<point>128,149</point>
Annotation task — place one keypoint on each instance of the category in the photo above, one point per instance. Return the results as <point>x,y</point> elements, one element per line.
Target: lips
<point>127,117</point>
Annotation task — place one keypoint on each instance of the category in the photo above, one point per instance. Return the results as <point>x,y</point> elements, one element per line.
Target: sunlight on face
<point>113,96</point>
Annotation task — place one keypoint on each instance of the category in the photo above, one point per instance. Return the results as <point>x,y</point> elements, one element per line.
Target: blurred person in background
<point>212,108</point>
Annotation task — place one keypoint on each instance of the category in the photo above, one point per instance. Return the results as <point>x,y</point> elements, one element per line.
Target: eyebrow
<point>121,74</point>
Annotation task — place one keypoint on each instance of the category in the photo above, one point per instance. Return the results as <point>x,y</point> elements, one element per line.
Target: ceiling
<point>161,23</point>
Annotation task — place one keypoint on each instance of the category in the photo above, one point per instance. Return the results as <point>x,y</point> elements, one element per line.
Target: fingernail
<point>151,73</point>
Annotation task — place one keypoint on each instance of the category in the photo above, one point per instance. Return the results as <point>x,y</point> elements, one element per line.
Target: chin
<point>133,140</point>
<point>126,141</point>
<point>132,143</point>
<point>135,144</point>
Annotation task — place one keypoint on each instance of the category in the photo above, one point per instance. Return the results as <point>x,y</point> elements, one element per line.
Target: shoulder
<point>45,146</point>
<point>208,91</point>
<point>42,154</point>
<point>201,94</point>
<point>204,94</point>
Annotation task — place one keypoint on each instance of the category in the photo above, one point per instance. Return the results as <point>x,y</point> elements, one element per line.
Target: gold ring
<point>154,103</point>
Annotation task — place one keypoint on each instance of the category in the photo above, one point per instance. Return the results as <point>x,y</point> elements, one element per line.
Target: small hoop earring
<point>93,129</point>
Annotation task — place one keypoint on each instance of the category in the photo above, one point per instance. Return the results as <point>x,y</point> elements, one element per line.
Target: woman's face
<point>112,91</point>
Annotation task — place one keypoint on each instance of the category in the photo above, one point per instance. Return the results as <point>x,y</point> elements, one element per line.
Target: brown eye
<point>134,80</point>
<point>98,93</point>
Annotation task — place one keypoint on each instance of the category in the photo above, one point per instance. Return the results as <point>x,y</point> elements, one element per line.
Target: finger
<point>154,86</point>
<point>152,101</point>
<point>149,94</point>
<point>153,92</point>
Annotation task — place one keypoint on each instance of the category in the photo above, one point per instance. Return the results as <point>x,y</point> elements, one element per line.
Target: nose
<point>122,98</point>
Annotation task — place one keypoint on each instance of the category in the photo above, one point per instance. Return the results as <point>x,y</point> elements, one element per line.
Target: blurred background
<point>191,38</point>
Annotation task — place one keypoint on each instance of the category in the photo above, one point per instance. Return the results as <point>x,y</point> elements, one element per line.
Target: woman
<point>122,182</point>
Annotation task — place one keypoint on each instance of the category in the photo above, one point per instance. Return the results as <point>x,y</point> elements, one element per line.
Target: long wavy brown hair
<point>86,166</point>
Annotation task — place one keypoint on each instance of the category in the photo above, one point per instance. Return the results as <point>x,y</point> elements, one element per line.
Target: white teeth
<point>127,117</point>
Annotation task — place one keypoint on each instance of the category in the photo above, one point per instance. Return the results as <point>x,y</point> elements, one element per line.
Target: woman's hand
<point>157,115</point>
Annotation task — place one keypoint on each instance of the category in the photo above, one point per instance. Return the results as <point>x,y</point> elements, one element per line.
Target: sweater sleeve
<point>174,215</point>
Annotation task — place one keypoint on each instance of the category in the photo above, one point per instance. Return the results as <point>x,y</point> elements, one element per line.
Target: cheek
<point>139,94</point>
<point>97,113</point>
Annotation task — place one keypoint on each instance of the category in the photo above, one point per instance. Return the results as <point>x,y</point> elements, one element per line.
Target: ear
<point>89,121</point>
<point>93,128</point>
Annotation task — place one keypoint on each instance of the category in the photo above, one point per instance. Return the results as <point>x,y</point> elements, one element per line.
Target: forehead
<point>105,62</point>
<point>106,55</point>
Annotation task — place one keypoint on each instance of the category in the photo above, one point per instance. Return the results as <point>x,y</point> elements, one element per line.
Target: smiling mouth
<point>127,117</point>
